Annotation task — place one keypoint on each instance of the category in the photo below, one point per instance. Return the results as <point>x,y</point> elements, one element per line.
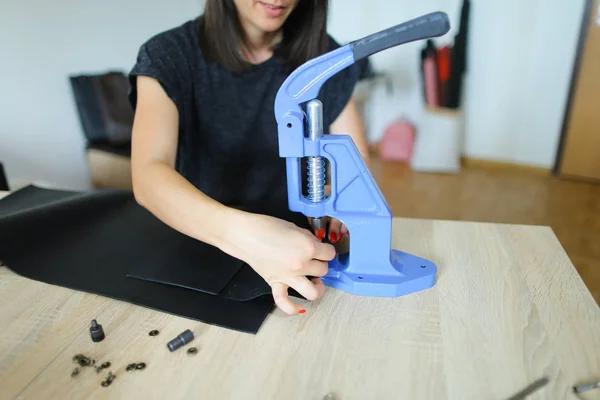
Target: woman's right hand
<point>283,254</point>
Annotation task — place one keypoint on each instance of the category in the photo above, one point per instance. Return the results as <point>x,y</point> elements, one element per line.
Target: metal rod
<point>585,388</point>
<point>316,165</point>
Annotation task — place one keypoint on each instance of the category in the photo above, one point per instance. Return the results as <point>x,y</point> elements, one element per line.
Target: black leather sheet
<point>103,242</point>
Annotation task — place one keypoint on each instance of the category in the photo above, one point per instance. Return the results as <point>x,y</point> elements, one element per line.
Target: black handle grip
<point>424,27</point>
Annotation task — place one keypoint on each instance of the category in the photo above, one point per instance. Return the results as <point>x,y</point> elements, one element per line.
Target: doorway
<point>578,154</point>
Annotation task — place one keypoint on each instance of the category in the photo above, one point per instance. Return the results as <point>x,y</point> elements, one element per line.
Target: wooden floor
<point>503,195</point>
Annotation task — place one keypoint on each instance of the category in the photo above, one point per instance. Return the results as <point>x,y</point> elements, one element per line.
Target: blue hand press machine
<point>371,267</point>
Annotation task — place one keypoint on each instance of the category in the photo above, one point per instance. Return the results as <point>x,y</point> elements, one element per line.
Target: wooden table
<point>508,309</point>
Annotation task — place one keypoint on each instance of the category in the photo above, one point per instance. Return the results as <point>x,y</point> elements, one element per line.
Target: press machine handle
<point>424,27</point>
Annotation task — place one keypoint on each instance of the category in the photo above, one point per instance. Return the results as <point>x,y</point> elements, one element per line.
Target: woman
<point>204,147</point>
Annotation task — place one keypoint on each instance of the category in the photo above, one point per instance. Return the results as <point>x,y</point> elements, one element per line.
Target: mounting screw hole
<point>289,125</point>
<point>423,266</point>
<point>360,277</point>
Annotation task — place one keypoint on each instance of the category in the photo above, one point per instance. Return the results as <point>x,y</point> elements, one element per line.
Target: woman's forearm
<point>176,202</point>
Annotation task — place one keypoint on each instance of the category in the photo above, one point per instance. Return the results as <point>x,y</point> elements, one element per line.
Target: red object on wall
<point>443,64</point>
<point>398,141</point>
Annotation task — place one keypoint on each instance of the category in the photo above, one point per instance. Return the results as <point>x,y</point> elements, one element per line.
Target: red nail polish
<point>321,234</point>
<point>302,311</point>
<point>341,236</point>
<point>333,237</point>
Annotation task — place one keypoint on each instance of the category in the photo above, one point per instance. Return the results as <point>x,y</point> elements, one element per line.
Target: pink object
<point>398,141</point>
<point>431,86</point>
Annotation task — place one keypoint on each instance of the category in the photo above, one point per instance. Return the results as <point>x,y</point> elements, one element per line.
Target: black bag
<point>104,110</point>
<point>3,180</point>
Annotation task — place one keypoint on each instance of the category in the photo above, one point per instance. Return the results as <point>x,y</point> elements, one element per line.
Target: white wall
<point>41,43</point>
<point>520,59</point>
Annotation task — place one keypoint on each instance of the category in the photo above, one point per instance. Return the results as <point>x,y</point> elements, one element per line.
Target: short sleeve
<point>161,58</point>
<point>337,91</point>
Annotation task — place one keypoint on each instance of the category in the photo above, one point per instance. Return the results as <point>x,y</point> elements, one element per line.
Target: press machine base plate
<point>413,275</point>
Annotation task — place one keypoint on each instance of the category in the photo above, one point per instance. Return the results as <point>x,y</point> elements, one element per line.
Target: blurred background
<point>497,121</point>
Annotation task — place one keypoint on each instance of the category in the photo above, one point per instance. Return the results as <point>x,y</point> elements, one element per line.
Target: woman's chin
<point>270,27</point>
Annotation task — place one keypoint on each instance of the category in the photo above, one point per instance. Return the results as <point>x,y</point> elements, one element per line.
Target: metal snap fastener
<point>192,351</point>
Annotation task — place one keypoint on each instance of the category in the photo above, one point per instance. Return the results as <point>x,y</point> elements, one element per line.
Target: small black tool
<point>182,339</point>
<point>96,331</point>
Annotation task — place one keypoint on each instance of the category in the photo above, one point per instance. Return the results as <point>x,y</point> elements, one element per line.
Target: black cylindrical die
<point>181,340</point>
<point>96,331</point>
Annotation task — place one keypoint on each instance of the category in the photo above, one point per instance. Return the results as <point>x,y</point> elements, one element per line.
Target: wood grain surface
<point>508,308</point>
<point>496,193</point>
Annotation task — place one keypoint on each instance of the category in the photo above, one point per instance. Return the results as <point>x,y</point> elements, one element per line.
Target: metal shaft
<point>585,388</point>
<point>316,165</point>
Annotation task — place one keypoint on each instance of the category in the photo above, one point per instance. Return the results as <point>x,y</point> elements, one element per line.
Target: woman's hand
<point>283,254</point>
<point>333,226</point>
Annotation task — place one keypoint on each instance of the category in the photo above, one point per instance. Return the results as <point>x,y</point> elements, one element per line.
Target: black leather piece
<point>194,266</point>
<point>244,285</point>
<point>92,241</point>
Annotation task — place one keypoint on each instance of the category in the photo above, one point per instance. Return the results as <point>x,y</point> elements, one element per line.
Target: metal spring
<point>316,179</point>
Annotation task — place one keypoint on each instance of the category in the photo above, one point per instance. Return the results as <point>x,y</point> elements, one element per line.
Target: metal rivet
<point>153,332</point>
<point>84,361</point>
<point>192,351</point>
<point>108,379</point>
<point>140,366</point>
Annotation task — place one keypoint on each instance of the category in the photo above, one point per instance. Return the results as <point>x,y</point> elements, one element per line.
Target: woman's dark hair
<point>304,34</point>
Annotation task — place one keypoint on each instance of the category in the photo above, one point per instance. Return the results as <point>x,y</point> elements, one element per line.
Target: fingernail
<point>333,237</point>
<point>321,234</point>
<point>302,311</point>
<point>341,236</point>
